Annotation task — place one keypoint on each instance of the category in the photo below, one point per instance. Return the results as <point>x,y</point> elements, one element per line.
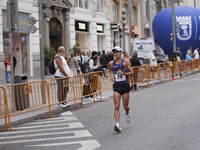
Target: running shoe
<point>62,105</point>
<point>173,78</point>
<point>128,117</point>
<point>91,99</point>
<point>67,104</point>
<point>117,128</point>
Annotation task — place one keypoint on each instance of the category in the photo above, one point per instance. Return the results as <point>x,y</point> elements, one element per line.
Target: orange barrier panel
<point>105,82</point>
<point>25,97</point>
<point>61,90</point>
<point>153,72</point>
<point>3,108</point>
<point>140,76</point>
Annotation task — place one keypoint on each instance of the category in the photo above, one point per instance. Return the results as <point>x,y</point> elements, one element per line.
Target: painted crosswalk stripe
<point>66,113</point>
<point>77,134</point>
<point>43,126</point>
<point>41,134</point>
<point>86,145</point>
<point>71,126</point>
<point>72,118</point>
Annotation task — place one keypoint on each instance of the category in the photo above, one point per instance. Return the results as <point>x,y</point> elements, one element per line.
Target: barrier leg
<point>99,86</point>
<point>48,95</point>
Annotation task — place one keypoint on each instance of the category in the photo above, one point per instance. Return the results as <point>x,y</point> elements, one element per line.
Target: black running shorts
<point>121,88</point>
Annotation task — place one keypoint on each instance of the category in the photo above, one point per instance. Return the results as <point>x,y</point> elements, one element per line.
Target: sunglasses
<point>116,52</point>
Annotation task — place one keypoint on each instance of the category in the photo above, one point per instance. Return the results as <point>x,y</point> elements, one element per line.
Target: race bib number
<point>119,77</point>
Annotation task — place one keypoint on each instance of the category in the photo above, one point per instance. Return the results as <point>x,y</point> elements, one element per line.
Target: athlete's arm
<point>127,64</point>
<point>111,71</point>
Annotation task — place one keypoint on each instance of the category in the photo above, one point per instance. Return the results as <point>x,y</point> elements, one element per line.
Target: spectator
<point>87,56</point>
<point>126,56</point>
<point>62,72</point>
<point>104,60</point>
<point>93,77</point>
<point>108,53</point>
<point>73,65</point>
<point>179,62</point>
<point>135,63</point>
<point>188,61</point>
<point>153,60</point>
<point>111,56</point>
<point>7,68</point>
<point>179,51</point>
<point>196,56</point>
<point>173,60</point>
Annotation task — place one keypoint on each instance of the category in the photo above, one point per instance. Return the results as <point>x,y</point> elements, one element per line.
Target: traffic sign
<point>32,20</point>
<point>133,30</point>
<point>32,29</point>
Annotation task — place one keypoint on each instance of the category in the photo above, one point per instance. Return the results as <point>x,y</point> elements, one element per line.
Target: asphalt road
<point>164,117</point>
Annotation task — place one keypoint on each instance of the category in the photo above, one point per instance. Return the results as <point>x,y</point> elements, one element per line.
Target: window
<point>81,3</point>
<point>99,6</point>
<point>126,8</point>
<point>115,11</point>
<point>134,16</point>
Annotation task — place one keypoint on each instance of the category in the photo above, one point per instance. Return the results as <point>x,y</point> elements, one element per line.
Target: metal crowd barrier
<point>26,97</point>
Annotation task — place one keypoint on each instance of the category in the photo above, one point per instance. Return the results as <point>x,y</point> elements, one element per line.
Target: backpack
<point>52,68</point>
<point>85,67</point>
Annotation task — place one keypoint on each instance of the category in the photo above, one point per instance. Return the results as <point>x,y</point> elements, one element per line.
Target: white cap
<point>117,48</point>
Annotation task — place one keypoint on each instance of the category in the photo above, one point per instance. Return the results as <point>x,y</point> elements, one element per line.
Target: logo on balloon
<point>185,26</point>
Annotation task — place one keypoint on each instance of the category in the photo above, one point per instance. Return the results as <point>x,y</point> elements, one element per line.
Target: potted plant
<point>49,53</point>
<point>75,50</point>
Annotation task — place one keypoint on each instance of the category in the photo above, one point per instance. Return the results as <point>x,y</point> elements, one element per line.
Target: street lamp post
<point>173,27</point>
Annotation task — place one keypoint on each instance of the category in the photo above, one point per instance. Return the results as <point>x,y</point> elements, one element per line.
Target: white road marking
<point>41,134</point>
<point>86,145</point>
<point>43,125</point>
<point>71,126</point>
<point>71,118</point>
<point>78,134</point>
<point>67,113</point>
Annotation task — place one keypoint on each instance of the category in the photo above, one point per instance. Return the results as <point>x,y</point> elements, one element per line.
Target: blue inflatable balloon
<point>189,22</point>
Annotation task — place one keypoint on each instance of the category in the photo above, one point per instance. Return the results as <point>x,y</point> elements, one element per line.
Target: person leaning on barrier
<point>135,63</point>
<point>188,61</point>
<point>173,60</point>
<point>93,77</point>
<point>196,56</point>
<point>153,63</point>
<point>62,72</point>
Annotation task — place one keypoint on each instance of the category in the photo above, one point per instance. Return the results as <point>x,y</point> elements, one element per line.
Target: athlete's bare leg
<point>116,98</point>
<point>125,98</point>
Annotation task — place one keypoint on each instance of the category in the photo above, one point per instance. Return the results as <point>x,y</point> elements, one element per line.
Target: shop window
<point>99,6</point>
<point>126,8</point>
<point>115,11</point>
<point>134,16</point>
<point>81,3</point>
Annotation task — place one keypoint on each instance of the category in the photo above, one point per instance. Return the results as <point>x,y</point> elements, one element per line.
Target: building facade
<point>25,45</point>
<point>90,25</point>
<point>115,17</point>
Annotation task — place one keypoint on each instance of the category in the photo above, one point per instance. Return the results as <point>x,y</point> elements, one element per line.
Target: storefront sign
<point>23,22</point>
<point>81,26</point>
<point>100,28</point>
<point>113,26</point>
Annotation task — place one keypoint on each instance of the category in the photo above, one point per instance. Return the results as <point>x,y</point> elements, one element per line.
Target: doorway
<point>55,33</point>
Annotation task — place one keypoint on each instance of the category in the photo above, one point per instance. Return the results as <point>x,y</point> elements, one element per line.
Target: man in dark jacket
<point>135,62</point>
<point>104,59</point>
<point>111,56</point>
